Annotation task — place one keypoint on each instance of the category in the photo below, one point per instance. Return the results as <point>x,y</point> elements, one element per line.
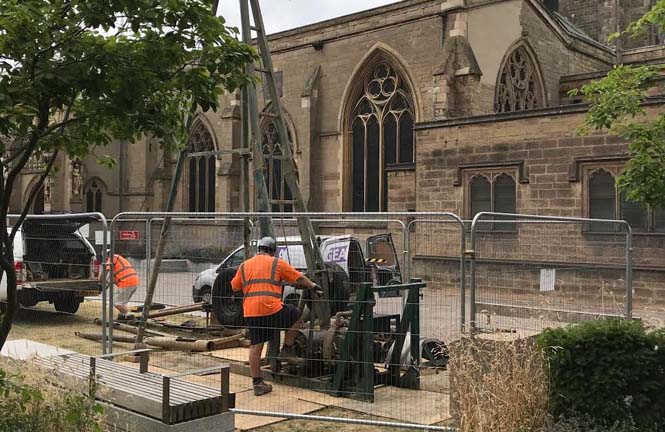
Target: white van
<point>54,262</point>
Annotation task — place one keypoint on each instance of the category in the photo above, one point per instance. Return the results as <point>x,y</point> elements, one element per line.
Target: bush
<point>611,371</point>
<point>589,425</point>
<point>30,402</point>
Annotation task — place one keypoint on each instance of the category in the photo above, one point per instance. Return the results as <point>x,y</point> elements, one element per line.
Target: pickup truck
<point>53,263</point>
<point>350,264</point>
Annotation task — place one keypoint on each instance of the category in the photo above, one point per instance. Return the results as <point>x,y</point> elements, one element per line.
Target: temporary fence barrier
<point>61,280</point>
<point>383,249</point>
<point>398,298</point>
<point>531,272</point>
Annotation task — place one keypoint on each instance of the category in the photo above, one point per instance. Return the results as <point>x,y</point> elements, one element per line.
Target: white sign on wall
<point>547,279</point>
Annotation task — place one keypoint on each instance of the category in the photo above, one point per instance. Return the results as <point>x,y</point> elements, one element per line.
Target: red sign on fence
<point>129,235</point>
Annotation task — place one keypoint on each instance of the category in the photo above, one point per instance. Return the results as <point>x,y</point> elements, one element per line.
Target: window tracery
<point>382,128</point>
<point>519,86</point>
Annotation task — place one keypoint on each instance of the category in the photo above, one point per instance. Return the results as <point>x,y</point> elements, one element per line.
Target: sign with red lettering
<point>129,235</point>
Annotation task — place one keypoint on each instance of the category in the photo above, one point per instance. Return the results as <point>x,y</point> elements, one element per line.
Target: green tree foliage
<point>75,74</point>
<point>617,105</point>
<point>609,371</point>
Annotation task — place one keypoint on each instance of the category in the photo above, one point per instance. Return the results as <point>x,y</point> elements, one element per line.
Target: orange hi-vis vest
<point>262,290</point>
<point>124,275</point>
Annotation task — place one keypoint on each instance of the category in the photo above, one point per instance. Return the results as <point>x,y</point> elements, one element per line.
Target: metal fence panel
<point>373,249</point>
<point>534,272</point>
<point>61,281</point>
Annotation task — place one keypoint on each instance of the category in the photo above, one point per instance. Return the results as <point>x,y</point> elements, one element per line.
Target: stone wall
<point>545,154</point>
<point>401,190</point>
<point>598,19</point>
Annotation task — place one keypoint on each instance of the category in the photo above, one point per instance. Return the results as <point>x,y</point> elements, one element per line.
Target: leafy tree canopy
<point>103,69</point>
<point>617,104</point>
<point>75,74</point>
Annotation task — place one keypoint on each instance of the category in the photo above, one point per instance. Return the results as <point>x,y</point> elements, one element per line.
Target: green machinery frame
<point>354,375</point>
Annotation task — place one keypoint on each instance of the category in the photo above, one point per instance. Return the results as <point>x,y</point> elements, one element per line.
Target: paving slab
<point>404,405</point>
<point>282,399</point>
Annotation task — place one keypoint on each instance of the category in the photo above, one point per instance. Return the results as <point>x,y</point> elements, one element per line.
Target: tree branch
<point>13,155</point>
<point>60,126</point>
<point>30,147</point>
<point>33,194</point>
<point>47,171</point>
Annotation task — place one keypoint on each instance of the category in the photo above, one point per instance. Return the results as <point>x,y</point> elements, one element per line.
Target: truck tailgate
<point>84,285</point>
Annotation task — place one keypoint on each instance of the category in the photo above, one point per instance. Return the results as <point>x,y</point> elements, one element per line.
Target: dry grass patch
<point>499,386</point>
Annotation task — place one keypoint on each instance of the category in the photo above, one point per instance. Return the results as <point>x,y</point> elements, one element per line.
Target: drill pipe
<point>178,344</point>
<point>177,310</point>
<point>130,328</point>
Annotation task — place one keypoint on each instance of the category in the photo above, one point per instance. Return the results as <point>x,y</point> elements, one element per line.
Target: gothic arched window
<point>278,191</point>
<point>519,86</point>
<point>382,127</point>
<point>201,181</point>
<point>493,192</point>
<point>94,193</point>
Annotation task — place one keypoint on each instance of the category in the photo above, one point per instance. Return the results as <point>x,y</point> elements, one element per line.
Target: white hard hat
<point>268,243</point>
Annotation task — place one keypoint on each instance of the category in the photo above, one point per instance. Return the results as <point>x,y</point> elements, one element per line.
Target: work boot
<point>262,388</point>
<point>128,317</point>
<point>288,354</point>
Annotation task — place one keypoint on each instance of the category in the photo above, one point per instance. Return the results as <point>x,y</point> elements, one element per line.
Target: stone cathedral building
<point>421,105</point>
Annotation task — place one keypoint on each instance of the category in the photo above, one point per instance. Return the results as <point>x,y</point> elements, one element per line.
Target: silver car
<point>202,288</point>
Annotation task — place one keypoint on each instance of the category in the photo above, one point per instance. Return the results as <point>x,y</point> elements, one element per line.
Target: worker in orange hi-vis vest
<point>125,283</point>
<point>260,278</point>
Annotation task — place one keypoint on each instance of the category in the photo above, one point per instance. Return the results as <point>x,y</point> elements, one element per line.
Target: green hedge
<point>609,370</point>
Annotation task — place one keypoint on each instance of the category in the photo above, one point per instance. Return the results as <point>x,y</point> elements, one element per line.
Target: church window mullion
<point>380,108</point>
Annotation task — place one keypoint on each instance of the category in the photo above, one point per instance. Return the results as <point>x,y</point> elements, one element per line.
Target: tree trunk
<point>7,264</point>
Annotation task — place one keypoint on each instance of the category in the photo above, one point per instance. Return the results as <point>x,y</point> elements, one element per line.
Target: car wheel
<point>205,294</point>
<point>227,308</point>
<point>67,304</point>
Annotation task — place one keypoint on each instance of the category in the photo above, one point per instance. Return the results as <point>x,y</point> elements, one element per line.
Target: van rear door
<point>382,256</point>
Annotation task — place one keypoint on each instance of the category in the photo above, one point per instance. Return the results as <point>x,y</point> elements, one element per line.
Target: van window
<point>236,259</point>
<point>383,250</point>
